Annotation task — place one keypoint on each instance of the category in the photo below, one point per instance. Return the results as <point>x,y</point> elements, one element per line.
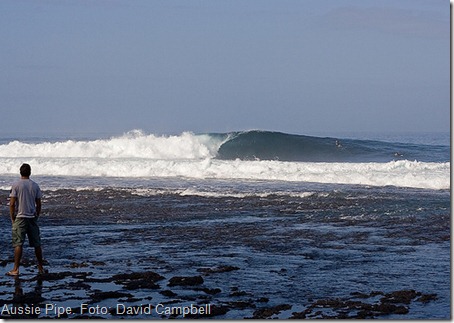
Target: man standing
<point>25,208</point>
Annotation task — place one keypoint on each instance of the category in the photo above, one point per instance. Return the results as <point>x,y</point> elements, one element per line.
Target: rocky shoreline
<point>113,254</point>
<point>171,295</point>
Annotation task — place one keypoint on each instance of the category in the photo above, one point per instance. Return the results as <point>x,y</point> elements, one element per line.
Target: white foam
<point>134,144</point>
<point>197,192</point>
<point>401,173</point>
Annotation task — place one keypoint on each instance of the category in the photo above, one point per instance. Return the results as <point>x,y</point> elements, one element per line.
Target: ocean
<point>300,221</point>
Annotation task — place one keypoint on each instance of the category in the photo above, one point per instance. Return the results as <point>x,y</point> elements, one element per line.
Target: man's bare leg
<point>17,259</point>
<point>39,257</point>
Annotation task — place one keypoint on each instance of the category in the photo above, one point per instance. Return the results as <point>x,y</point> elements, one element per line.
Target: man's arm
<point>38,207</point>
<point>12,208</point>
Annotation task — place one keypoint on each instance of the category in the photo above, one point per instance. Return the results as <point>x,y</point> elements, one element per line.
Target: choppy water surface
<point>292,243</point>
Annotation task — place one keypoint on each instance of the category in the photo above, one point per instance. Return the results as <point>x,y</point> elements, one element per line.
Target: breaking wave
<point>252,155</point>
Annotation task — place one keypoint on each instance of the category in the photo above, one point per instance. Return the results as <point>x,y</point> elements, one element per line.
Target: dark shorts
<point>29,227</point>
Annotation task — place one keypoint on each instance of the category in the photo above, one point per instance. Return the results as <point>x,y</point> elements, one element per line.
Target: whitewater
<point>202,156</point>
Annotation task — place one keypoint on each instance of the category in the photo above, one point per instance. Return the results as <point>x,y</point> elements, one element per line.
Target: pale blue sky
<point>297,66</point>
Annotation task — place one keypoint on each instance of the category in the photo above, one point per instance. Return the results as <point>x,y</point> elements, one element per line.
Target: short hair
<point>25,170</point>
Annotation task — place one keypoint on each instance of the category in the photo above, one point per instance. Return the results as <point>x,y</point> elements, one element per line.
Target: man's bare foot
<point>13,273</point>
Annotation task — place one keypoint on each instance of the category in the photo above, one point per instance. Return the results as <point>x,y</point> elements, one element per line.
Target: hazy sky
<point>297,66</point>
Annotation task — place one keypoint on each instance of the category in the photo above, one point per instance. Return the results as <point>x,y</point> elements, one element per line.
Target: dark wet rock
<point>298,316</point>
<point>425,298</point>
<point>355,305</point>
<point>219,269</point>
<point>78,285</point>
<point>386,309</point>
<point>99,296</point>
<point>301,315</point>
<point>55,276</point>
<point>140,284</point>
<point>211,291</point>
<point>390,303</point>
<point>364,314</point>
<point>239,294</point>
<point>331,303</point>
<point>98,280</point>
<point>140,280</point>
<point>3,302</point>
<point>185,281</point>
<point>242,304</point>
<point>217,310</point>
<point>401,296</point>
<point>267,312</point>
<point>98,263</point>
<point>263,300</point>
<point>149,275</point>
<point>281,272</point>
<point>309,256</point>
<point>168,293</point>
<point>33,297</point>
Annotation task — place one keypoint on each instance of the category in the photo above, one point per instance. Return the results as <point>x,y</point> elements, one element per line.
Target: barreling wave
<point>252,155</point>
<point>263,145</point>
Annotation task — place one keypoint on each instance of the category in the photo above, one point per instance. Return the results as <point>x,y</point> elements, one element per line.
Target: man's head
<point>25,170</point>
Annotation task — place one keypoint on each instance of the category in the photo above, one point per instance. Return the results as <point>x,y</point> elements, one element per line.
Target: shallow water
<point>290,243</point>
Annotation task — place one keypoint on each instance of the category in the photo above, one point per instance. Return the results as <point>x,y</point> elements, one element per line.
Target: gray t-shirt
<point>26,192</point>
